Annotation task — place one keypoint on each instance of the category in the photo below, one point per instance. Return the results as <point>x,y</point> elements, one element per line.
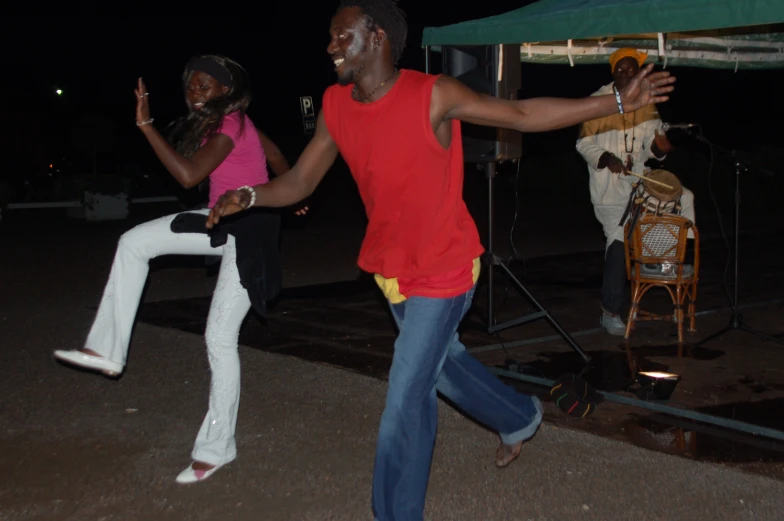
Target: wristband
<point>252,195</point>
<point>618,99</point>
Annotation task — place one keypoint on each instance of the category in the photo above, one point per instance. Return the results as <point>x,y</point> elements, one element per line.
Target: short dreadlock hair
<point>386,15</point>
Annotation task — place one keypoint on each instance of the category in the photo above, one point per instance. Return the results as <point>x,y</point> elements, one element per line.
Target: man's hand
<point>646,88</point>
<point>302,207</point>
<point>229,203</point>
<point>662,143</point>
<point>612,162</point>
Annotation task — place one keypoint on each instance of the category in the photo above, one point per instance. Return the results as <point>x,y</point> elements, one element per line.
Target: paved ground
<point>82,447</point>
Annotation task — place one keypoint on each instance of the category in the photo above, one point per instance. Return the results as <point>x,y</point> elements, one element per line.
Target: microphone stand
<point>742,165</point>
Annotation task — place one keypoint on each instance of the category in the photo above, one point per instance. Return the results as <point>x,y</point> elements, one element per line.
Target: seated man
<point>613,145</point>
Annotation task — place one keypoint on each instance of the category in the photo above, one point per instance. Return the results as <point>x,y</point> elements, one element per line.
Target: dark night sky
<point>96,60</point>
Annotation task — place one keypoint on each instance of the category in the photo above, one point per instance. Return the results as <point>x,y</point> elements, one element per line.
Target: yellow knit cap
<point>627,52</point>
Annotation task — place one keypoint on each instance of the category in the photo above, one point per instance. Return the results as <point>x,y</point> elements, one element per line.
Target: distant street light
<point>59,92</point>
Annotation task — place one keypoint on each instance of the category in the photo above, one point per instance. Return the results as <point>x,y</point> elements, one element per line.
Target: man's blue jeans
<point>428,358</point>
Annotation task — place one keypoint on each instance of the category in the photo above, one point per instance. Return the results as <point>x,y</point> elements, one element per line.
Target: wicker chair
<point>655,253</point>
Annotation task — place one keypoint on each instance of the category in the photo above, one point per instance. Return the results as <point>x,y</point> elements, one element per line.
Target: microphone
<point>668,126</point>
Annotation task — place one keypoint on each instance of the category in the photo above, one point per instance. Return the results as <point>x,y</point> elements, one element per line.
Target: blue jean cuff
<point>529,430</point>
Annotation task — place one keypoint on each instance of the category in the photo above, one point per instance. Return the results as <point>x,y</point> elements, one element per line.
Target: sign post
<point>308,115</point>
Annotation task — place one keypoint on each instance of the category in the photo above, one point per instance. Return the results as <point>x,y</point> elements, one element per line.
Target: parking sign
<point>306,104</point>
<point>308,115</point>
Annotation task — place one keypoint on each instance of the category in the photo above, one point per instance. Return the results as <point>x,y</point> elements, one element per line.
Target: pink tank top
<point>245,165</point>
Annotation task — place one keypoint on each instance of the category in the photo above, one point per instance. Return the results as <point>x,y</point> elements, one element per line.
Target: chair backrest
<point>658,239</point>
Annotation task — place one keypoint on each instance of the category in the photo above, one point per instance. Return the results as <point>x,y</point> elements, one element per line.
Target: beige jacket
<point>623,135</point>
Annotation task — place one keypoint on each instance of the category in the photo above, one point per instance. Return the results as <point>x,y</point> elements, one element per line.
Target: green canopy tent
<point>732,34</point>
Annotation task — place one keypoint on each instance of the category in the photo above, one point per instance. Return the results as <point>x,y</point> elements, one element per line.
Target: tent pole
<point>427,59</point>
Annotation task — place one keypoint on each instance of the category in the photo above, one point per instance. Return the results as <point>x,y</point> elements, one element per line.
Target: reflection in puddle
<point>614,371</point>
<point>709,443</point>
<point>755,385</point>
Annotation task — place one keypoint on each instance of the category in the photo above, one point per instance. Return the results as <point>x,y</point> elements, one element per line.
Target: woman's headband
<point>213,68</point>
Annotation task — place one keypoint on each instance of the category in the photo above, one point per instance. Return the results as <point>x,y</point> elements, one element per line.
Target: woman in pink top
<point>217,140</point>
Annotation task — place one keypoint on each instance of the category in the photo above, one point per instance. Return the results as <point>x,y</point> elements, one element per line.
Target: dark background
<point>95,59</point>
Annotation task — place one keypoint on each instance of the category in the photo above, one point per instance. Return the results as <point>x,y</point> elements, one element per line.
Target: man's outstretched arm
<point>289,188</point>
<point>453,100</point>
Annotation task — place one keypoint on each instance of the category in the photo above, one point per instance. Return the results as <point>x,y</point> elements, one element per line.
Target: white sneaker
<point>96,363</point>
<point>613,324</point>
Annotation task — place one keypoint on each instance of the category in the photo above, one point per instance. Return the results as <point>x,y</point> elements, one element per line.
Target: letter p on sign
<point>306,105</point>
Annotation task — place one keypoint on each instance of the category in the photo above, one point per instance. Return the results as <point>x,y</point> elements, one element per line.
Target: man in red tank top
<point>399,132</point>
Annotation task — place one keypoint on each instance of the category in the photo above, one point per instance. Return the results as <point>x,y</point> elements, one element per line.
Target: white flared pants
<point>111,330</point>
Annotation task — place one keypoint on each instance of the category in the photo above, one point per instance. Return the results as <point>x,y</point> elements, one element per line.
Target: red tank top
<point>412,188</point>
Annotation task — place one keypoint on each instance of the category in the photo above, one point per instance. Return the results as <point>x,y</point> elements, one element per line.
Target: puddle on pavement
<point>714,443</point>
<point>610,370</point>
<point>688,351</point>
<point>755,385</point>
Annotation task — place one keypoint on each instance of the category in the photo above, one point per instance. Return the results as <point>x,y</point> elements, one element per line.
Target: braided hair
<point>385,15</point>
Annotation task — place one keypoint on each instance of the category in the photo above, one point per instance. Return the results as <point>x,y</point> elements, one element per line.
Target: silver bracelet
<point>252,195</point>
<point>145,122</point>
<point>618,99</point>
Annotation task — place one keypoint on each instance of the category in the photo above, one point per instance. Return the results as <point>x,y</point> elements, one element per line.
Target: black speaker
<point>478,67</point>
